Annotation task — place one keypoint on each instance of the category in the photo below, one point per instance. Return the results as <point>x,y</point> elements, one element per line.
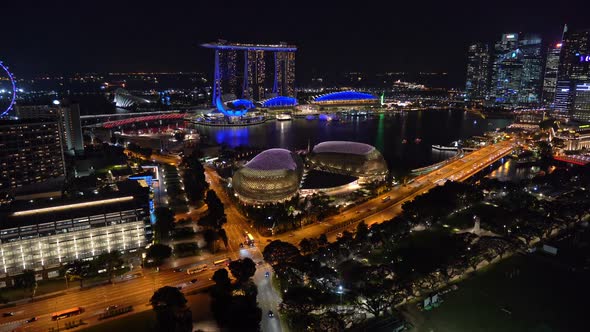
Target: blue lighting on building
<point>345,95</point>
<point>241,107</point>
<point>280,101</point>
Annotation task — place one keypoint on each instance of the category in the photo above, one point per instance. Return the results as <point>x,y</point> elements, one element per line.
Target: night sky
<point>66,36</point>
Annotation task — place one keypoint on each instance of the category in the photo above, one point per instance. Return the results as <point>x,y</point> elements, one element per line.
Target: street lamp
<point>340,291</point>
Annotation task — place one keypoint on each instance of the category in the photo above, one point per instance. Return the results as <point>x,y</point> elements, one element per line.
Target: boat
<point>404,141</point>
<point>284,117</point>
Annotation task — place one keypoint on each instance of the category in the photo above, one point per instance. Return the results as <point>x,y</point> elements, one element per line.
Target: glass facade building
<point>573,72</point>
<point>551,70</point>
<point>581,105</point>
<point>478,71</point>
<point>517,70</point>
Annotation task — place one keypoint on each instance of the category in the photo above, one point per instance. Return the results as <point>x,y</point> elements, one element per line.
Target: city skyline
<point>140,38</point>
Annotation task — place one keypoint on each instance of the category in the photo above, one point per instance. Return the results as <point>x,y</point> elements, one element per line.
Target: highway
<point>137,291</point>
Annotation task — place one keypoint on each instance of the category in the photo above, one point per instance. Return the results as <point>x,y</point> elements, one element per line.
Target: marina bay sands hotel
<point>253,82</point>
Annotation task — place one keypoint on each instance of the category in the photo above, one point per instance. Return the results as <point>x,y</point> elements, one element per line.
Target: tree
<point>215,209</point>
<point>164,222</point>
<point>221,296</point>
<point>110,261</point>
<point>242,269</point>
<point>195,183</point>
<point>159,252</point>
<point>211,238</point>
<point>362,232</point>
<point>278,251</point>
<point>305,245</point>
<point>172,314</point>
<point>76,270</point>
<point>376,290</point>
<point>223,236</point>
<point>26,281</point>
<point>323,240</point>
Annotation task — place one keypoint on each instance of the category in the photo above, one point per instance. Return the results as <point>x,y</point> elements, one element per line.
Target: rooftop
<point>344,147</point>
<point>224,45</point>
<point>273,159</point>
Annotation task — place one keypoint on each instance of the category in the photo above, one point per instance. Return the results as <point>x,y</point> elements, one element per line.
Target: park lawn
<point>489,214</point>
<point>539,295</point>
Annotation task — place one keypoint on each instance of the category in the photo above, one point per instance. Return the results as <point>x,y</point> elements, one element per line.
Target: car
<point>271,314</point>
<point>111,307</point>
<point>8,314</point>
<point>267,274</point>
<point>178,269</point>
<point>32,319</point>
<point>193,281</point>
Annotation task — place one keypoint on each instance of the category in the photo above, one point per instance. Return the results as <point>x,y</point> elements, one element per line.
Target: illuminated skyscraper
<point>551,69</point>
<point>254,75</point>
<point>506,70</point>
<point>581,105</point>
<point>517,70</point>
<point>253,83</point>
<point>478,71</point>
<point>31,152</point>
<point>573,71</point>
<point>284,74</point>
<point>575,43</point>
<point>532,69</point>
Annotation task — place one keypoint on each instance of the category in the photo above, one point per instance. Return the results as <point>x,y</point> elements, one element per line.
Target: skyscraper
<point>573,72</point>
<point>254,75</point>
<point>478,68</point>
<point>506,70</point>
<point>517,70</point>
<point>253,82</point>
<point>581,105</point>
<point>532,69</point>
<point>284,84</point>
<point>70,117</point>
<point>551,69</point>
<point>31,152</point>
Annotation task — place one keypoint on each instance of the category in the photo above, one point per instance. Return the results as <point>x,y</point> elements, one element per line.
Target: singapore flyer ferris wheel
<point>7,90</point>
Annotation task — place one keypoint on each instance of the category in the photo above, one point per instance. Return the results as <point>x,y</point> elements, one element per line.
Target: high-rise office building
<point>575,43</point>
<point>551,69</point>
<point>581,104</point>
<point>506,70</point>
<point>532,69</point>
<point>478,71</point>
<point>574,70</point>
<point>517,70</point>
<point>31,152</point>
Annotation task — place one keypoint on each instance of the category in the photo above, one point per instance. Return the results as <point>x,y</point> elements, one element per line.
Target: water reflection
<point>512,171</point>
<point>385,132</point>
